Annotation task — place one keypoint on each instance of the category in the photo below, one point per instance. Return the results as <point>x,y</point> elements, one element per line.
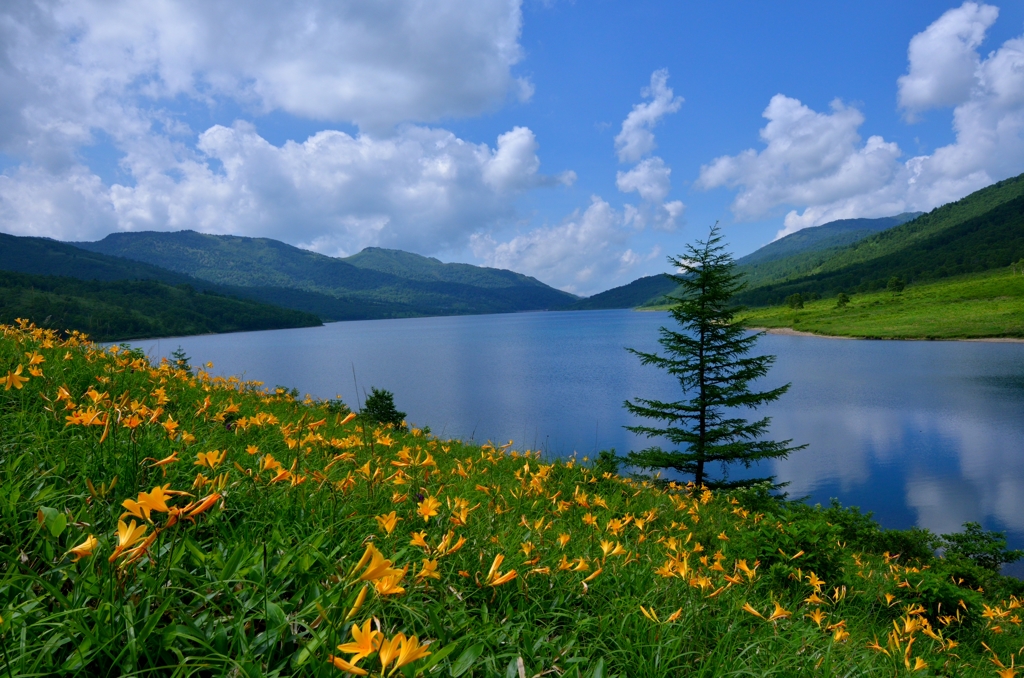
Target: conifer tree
<point>707,354</point>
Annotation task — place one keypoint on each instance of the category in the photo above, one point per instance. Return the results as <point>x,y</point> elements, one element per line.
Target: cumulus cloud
<point>578,255</point>
<point>943,58</point>
<point>636,139</point>
<point>372,63</point>
<point>421,188</point>
<point>650,177</point>
<point>78,74</point>
<point>817,163</point>
<point>809,158</point>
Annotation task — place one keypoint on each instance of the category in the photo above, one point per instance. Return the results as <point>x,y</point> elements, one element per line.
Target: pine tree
<point>708,356</point>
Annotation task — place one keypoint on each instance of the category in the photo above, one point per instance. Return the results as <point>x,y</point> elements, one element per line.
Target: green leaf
<point>598,668</point>
<point>57,525</point>
<point>276,617</point>
<point>466,659</point>
<point>436,657</point>
<point>231,566</point>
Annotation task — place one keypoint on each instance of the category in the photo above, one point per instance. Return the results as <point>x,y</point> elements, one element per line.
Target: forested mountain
<point>803,250</point>
<point>42,256</point>
<point>982,231</point>
<point>628,296</point>
<point>807,249</point>
<point>827,236</point>
<point>112,310</point>
<point>379,282</point>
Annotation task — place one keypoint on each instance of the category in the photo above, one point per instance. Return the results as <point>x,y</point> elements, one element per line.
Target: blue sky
<point>579,142</point>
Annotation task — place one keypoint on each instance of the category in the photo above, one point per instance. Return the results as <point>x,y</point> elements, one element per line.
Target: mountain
<point>827,236</point>
<point>631,295</point>
<point>802,250</point>
<point>378,282</point>
<point>982,231</point>
<point>114,310</point>
<point>42,256</point>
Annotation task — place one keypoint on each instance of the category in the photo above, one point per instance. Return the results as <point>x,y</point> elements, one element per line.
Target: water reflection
<point>925,433</point>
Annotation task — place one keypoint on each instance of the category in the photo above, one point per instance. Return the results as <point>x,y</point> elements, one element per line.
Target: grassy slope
<point>432,289</point>
<point>131,309</point>
<point>950,240</point>
<point>262,574</point>
<point>989,304</point>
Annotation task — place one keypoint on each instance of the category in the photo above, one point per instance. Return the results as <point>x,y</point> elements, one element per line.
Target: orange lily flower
<point>365,641</point>
<point>14,379</point>
<point>428,508</point>
<point>84,549</point>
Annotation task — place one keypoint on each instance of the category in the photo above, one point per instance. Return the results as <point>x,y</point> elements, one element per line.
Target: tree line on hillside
<point>994,239</point>
<point>131,309</point>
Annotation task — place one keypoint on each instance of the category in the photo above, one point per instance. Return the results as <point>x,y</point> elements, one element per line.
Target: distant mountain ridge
<point>979,232</point>
<point>806,248</point>
<point>630,295</point>
<point>377,283</point>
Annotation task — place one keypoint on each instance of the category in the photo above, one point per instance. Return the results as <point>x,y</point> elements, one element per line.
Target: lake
<point>921,433</point>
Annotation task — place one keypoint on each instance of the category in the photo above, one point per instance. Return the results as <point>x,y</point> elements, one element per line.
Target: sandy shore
<point>790,332</point>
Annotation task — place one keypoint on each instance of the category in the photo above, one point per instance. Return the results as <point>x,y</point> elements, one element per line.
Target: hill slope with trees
<point>114,310</point>
<point>391,283</point>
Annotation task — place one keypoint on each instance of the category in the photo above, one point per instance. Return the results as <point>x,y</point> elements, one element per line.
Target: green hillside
<point>979,305</point>
<point>130,309</point>
<point>388,282</point>
<point>628,296</point>
<point>992,239</point>
<point>808,249</point>
<point>801,251</point>
<point>827,236</point>
<point>42,256</point>
<point>981,231</point>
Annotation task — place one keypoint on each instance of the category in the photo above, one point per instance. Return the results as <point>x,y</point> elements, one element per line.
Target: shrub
<point>380,407</point>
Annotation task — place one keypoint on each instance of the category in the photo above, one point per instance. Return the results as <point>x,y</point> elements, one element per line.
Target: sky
<point>580,142</point>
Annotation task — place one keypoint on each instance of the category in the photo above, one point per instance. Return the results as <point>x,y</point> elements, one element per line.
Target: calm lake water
<point>920,433</point>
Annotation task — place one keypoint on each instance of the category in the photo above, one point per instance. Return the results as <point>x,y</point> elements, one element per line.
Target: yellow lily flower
<point>126,536</point>
<point>411,650</point>
<point>378,566</point>
<point>428,508</point>
<point>429,569</point>
<point>365,641</point>
<point>14,379</point>
<point>84,549</point>
<point>388,522</point>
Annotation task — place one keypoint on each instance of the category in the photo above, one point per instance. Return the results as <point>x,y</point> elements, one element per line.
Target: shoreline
<point>790,332</point>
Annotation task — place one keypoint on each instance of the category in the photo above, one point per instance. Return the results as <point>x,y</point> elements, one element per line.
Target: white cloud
<point>636,139</point>
<point>422,188</point>
<point>810,158</point>
<point>816,162</point>
<point>372,63</point>
<point>75,73</point>
<point>943,58</point>
<point>649,178</point>
<point>579,255</point>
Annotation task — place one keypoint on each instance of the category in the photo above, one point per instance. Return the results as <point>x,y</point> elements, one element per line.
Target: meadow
<point>157,520</point>
<point>981,305</point>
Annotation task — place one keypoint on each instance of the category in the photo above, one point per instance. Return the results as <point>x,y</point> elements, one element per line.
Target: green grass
<point>267,579</point>
<point>983,305</point>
